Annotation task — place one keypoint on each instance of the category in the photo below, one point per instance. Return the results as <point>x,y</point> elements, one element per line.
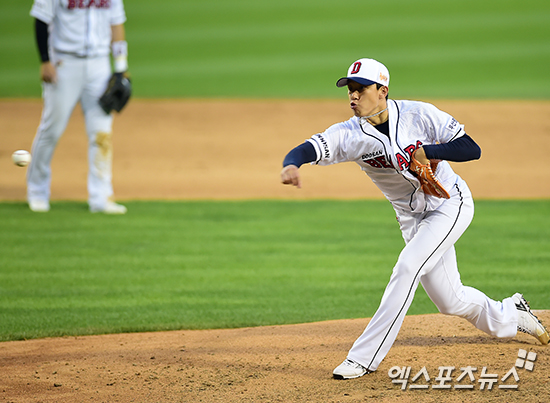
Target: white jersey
<point>80,27</point>
<point>386,159</point>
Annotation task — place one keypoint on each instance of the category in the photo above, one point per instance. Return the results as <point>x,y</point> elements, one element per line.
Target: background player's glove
<point>117,94</point>
<point>425,173</point>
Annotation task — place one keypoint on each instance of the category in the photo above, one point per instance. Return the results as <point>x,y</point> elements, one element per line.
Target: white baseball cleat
<point>110,208</point>
<point>39,206</point>
<point>527,321</point>
<point>349,369</point>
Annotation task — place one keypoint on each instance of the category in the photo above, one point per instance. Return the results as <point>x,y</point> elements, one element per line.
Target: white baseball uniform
<point>79,39</point>
<point>430,226</point>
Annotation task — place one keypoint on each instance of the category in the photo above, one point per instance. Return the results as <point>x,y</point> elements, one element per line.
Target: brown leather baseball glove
<point>425,173</point>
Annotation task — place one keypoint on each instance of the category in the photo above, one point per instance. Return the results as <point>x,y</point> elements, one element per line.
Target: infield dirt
<point>233,150</point>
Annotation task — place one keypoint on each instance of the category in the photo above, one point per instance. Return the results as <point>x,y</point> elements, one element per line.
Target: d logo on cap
<point>366,72</point>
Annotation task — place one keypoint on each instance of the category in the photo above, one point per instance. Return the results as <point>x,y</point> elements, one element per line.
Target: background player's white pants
<point>429,258</point>
<point>78,80</point>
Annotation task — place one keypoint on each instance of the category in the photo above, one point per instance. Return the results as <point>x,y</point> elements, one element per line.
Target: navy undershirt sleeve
<point>460,150</point>
<point>41,32</point>
<point>300,155</point>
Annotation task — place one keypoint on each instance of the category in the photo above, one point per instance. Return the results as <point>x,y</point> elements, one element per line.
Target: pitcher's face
<point>366,100</point>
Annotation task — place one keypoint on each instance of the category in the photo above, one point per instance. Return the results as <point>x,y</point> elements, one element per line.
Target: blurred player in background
<point>75,39</point>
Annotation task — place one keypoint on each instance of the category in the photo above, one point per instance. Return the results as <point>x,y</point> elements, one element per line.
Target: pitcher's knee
<point>407,268</point>
<point>464,310</point>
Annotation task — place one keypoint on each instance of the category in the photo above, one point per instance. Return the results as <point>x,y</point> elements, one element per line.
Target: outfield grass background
<point>288,48</point>
<point>172,265</point>
<point>209,264</point>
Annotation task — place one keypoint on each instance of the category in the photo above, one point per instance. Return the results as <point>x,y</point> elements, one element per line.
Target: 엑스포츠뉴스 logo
<point>466,379</point>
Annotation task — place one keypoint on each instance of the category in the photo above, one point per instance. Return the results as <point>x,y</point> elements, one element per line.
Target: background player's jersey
<point>386,159</point>
<point>82,27</point>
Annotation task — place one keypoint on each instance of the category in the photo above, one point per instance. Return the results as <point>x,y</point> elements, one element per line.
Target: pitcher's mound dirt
<point>291,363</point>
<point>219,149</point>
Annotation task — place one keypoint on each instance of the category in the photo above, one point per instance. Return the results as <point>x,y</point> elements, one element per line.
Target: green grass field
<point>298,49</point>
<point>173,265</point>
<point>195,265</point>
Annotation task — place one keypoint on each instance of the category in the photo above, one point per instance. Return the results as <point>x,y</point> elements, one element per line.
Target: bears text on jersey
<point>72,4</point>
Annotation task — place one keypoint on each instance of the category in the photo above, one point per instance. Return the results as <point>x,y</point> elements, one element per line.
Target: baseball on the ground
<point>21,158</point>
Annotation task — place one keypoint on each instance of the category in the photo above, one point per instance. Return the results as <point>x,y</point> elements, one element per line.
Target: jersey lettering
<point>379,161</point>
<point>326,150</point>
<point>72,4</point>
<point>409,150</point>
<point>452,125</point>
<point>373,163</point>
<point>376,153</point>
<point>401,160</point>
<point>382,160</point>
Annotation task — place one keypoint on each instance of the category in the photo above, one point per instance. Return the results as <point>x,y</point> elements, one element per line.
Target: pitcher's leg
<point>445,289</point>
<point>436,232</point>
<point>375,342</point>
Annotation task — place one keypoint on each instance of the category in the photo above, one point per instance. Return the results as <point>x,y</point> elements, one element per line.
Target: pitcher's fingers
<point>291,180</point>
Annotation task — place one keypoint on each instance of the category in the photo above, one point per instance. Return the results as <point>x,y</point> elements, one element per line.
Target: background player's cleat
<point>349,369</point>
<point>39,206</point>
<point>528,322</point>
<point>110,208</point>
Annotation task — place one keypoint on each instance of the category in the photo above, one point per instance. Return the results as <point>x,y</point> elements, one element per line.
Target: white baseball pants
<point>84,80</point>
<point>429,258</point>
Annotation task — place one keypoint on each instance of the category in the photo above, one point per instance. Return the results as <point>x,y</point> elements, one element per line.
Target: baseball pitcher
<point>404,146</point>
